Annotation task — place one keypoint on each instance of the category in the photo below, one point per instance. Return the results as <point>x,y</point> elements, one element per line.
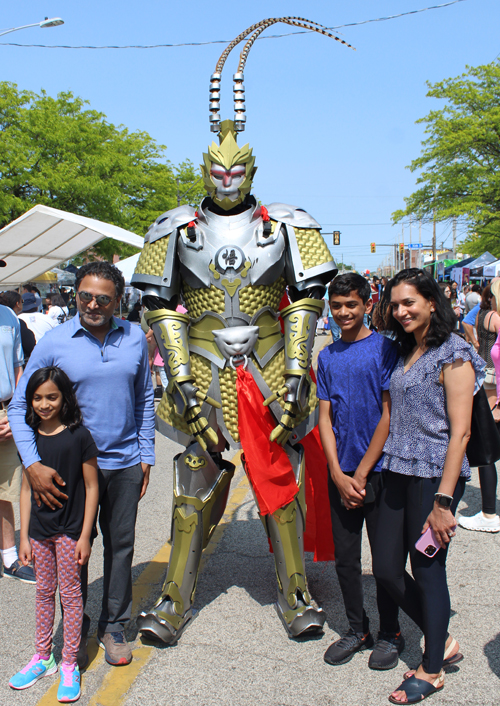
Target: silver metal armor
<point>232,272</point>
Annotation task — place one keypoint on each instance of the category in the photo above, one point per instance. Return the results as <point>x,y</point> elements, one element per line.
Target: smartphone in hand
<point>428,544</point>
<point>369,494</point>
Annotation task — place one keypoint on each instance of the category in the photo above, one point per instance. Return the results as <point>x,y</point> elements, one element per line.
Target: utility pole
<point>434,236</point>
<point>420,242</point>
<point>454,237</point>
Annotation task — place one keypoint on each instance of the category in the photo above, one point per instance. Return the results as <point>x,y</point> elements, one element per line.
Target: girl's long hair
<point>495,291</point>
<point>70,413</point>
<point>443,321</point>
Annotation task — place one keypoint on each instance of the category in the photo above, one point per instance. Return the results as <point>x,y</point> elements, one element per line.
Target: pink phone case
<point>428,544</point>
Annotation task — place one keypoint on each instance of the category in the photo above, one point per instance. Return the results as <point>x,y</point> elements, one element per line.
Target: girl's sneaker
<point>69,686</point>
<point>33,671</point>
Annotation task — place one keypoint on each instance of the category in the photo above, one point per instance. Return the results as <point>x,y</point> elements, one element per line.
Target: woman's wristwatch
<point>443,500</point>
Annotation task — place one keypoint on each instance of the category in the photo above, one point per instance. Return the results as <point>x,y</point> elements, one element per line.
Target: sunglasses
<point>101,299</point>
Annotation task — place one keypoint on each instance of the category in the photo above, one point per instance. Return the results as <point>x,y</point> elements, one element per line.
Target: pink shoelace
<point>34,660</point>
<point>67,671</point>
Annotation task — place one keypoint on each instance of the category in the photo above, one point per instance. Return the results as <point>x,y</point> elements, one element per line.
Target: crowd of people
<point>395,387</point>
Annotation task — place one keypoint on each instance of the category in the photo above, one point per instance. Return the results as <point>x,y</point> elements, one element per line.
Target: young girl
<point>58,540</point>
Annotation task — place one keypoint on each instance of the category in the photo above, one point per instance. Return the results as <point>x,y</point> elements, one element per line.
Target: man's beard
<point>96,320</point>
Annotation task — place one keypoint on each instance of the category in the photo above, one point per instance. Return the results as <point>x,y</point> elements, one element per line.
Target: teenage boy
<point>354,414</point>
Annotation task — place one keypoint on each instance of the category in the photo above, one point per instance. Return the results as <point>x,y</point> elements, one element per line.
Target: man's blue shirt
<point>113,386</point>
<point>470,318</point>
<point>11,351</point>
<point>352,377</point>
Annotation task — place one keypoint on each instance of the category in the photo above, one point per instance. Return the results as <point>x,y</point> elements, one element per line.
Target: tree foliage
<point>460,160</point>
<point>60,153</point>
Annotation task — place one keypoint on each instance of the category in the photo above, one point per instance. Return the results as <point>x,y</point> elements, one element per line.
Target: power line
<point>358,224</point>
<point>226,41</point>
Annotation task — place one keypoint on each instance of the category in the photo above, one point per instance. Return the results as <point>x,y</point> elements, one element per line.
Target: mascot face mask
<point>227,169</point>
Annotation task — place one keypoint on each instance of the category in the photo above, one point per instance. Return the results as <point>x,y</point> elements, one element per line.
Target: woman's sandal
<point>449,660</point>
<point>417,690</point>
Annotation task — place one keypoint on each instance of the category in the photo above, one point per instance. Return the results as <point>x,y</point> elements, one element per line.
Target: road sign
<point>415,246</point>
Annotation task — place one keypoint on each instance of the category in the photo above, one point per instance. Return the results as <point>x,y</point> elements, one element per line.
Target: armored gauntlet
<point>300,321</point>
<point>171,333</point>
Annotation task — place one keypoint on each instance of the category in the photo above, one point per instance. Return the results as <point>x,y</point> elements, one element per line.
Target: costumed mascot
<point>237,375</point>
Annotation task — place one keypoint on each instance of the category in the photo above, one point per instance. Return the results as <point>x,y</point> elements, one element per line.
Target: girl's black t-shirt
<point>65,452</point>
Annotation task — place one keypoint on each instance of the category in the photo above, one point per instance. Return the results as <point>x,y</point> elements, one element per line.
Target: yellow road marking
<point>118,681</point>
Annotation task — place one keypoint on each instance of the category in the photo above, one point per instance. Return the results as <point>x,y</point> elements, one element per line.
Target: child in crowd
<point>354,416</point>
<point>58,539</point>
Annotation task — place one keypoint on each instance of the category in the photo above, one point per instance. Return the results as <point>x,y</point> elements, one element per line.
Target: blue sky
<point>332,129</point>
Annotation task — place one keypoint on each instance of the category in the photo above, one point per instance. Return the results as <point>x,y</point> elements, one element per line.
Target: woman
<point>431,392</point>
<point>487,327</point>
<point>57,309</point>
<point>446,289</point>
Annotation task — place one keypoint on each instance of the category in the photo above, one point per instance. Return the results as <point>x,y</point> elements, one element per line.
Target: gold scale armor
<point>232,271</point>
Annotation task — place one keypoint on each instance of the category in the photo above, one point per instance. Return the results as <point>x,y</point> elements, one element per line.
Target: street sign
<point>415,246</point>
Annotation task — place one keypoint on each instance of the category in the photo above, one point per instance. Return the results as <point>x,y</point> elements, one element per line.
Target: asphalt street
<point>236,651</point>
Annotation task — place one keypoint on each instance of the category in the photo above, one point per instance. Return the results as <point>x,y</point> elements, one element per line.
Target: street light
<point>52,22</point>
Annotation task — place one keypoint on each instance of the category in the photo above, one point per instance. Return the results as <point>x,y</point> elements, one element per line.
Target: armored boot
<point>201,488</point>
<point>285,529</point>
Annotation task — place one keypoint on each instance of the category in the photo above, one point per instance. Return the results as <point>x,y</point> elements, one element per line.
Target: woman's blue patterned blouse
<point>419,432</point>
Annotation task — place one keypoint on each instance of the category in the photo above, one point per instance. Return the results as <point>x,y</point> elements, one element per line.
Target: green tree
<point>460,159</point>
<point>58,152</point>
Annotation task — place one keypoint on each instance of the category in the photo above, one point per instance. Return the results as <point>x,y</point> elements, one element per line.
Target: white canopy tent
<point>44,237</point>
<point>127,267</point>
<point>492,270</point>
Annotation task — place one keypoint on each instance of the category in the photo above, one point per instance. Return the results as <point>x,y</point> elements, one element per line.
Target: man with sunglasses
<point>107,360</point>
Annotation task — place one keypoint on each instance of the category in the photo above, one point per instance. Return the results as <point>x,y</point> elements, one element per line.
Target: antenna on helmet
<point>238,88</point>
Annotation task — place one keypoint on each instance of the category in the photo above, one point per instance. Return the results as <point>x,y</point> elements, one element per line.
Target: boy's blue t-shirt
<point>352,377</point>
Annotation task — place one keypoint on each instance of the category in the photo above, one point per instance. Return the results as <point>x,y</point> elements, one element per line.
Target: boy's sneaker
<point>480,523</point>
<point>386,651</point>
<point>117,650</point>
<point>344,649</point>
<point>33,671</point>
<point>18,571</point>
<point>69,686</point>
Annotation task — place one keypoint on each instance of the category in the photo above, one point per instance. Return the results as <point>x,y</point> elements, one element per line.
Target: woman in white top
<point>57,309</point>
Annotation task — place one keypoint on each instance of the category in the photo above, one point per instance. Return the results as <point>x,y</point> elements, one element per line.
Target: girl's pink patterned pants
<point>55,558</point>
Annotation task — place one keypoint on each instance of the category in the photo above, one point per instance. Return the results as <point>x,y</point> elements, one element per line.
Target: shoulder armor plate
<point>170,221</point>
<point>291,215</point>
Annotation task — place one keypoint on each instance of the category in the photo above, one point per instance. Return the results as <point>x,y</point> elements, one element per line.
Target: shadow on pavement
<point>492,652</point>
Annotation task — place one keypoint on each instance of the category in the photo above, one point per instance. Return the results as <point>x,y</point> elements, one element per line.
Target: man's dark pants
<point>119,493</point>
<point>347,526</point>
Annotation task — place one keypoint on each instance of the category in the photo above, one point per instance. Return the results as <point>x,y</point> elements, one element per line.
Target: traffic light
<point>401,248</point>
<point>336,237</point>
<point>373,247</point>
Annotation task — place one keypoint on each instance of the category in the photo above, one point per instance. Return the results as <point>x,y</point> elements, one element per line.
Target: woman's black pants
<point>405,504</point>
<point>488,483</point>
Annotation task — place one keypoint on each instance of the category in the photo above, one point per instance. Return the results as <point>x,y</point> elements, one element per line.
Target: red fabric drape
<point>318,537</point>
<point>270,471</point>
